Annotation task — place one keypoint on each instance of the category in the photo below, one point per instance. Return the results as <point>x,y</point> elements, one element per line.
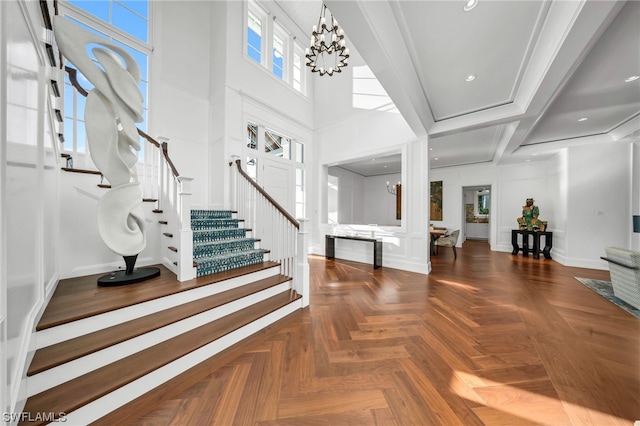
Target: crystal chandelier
<point>327,54</point>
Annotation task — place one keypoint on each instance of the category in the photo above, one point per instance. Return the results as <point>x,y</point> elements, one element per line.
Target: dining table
<point>435,234</point>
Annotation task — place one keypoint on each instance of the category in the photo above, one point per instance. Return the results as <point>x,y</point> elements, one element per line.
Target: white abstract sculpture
<point>112,109</point>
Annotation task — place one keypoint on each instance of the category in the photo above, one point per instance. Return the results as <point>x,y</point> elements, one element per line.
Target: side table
<point>535,250</point>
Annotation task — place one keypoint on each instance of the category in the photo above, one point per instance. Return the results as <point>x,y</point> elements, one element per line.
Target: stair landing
<point>79,298</point>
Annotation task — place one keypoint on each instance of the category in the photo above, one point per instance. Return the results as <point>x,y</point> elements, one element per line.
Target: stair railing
<point>277,230</point>
<point>160,180</point>
<point>174,202</point>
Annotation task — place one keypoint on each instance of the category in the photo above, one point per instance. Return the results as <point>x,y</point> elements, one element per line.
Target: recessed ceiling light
<point>534,155</point>
<point>385,166</point>
<point>583,119</point>
<point>373,159</point>
<point>436,158</point>
<point>470,77</point>
<point>526,161</point>
<point>632,78</point>
<point>470,5</point>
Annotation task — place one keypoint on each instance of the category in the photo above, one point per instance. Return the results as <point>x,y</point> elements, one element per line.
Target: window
<point>299,152</point>
<point>278,56</point>
<point>252,167</point>
<point>283,56</point>
<point>252,136</point>
<point>115,18</point>
<point>297,72</point>
<point>277,145</point>
<point>254,37</point>
<point>482,203</point>
<point>300,198</point>
<point>130,16</point>
<point>280,51</point>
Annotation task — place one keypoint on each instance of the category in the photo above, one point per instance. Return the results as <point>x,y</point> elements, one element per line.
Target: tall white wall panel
<point>29,172</point>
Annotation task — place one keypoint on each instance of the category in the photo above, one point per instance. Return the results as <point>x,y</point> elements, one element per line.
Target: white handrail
<point>278,231</point>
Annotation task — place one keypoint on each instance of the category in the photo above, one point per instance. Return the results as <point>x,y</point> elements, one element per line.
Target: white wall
<point>365,200</point>
<point>29,173</point>
<point>82,250</point>
<point>598,202</point>
<point>180,87</point>
<point>635,191</point>
<point>583,193</point>
<point>351,199</point>
<point>511,185</point>
<point>379,205</point>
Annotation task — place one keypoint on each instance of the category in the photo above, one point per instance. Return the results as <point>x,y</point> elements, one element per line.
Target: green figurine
<point>529,219</point>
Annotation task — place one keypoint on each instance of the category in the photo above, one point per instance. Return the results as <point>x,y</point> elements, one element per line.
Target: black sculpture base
<point>122,278</point>
<point>128,276</point>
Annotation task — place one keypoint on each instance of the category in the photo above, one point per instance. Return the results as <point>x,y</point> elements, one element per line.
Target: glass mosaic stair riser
<point>225,262</point>
<point>206,235</point>
<point>209,249</point>
<point>197,224</point>
<point>211,214</point>
<point>219,244</point>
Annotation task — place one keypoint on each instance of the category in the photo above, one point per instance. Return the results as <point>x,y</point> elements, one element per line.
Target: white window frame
<point>279,31</point>
<point>261,15</point>
<point>297,50</point>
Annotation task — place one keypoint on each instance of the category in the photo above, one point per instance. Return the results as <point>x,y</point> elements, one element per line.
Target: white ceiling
<point>540,66</point>
<point>385,165</point>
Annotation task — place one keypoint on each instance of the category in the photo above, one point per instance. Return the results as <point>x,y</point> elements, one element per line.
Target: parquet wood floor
<point>489,338</point>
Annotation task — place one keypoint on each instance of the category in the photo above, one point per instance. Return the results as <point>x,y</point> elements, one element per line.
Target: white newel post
<point>186,271</point>
<point>233,177</point>
<point>302,267</point>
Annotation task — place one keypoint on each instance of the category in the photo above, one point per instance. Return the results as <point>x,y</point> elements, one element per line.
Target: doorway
<point>476,208</point>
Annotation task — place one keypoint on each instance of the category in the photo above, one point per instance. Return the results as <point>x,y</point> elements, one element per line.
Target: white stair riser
<point>84,326</point>
<point>116,399</point>
<point>76,368</point>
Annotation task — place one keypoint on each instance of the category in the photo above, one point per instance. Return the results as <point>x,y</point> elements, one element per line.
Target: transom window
<point>277,145</point>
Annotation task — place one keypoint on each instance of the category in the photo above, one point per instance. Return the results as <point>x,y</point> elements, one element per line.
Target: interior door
<point>277,178</point>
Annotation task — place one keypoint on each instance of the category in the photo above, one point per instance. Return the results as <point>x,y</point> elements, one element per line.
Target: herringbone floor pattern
<point>489,338</point>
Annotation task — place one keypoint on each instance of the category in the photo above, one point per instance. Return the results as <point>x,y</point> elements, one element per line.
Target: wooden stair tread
<point>168,234</point>
<point>172,248</point>
<point>91,172</point>
<point>80,297</point>
<point>69,350</point>
<point>163,222</point>
<point>75,393</point>
<point>149,200</point>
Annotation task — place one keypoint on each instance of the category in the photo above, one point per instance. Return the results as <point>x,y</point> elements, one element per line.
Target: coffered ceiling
<point>540,68</point>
